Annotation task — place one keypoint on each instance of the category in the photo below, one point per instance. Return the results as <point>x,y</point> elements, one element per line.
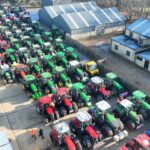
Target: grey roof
<point>90,18</point>
<point>56,10</point>
<point>141,26</point>
<point>145,55</point>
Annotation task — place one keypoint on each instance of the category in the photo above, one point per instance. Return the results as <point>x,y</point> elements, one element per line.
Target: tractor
<point>45,107</point>
<point>61,78</point>
<point>75,71</point>
<point>47,63</point>
<point>3,45</point>
<point>18,33</point>
<point>37,39</point>
<point>24,27</point>
<point>28,31</point>
<point>63,101</point>
<point>14,43</point>
<point>26,41</point>
<point>25,18</point>
<point>35,26</point>
<point>48,48</point>
<point>55,32</point>
<point>20,71</point>
<point>138,96</point>
<point>71,54</point>
<point>83,127</point>
<point>46,83</point>
<point>10,56</point>
<point>112,83</point>
<point>30,86</point>
<point>91,68</point>
<point>7,35</point>
<point>109,124</point>
<point>79,95</point>
<point>97,88</point>
<point>62,137</point>
<point>36,51</point>
<point>23,54</point>
<point>125,111</point>
<point>33,67</point>
<point>61,59</point>
<point>47,36</point>
<point>59,45</point>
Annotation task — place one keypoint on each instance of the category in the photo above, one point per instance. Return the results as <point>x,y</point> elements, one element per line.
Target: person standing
<point>41,133</point>
<point>33,133</point>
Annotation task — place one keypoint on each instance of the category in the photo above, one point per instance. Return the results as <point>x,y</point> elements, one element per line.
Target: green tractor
<point>138,96</point>
<point>61,78</point>
<point>37,39</point>
<point>33,67</point>
<point>26,42</point>
<point>14,43</point>
<point>61,59</point>
<point>47,36</point>
<point>29,32</point>
<point>46,83</point>
<point>23,55</point>
<point>71,54</point>
<point>55,32</point>
<point>79,95</point>
<point>109,124</point>
<point>8,35</point>
<point>36,51</point>
<point>30,86</point>
<point>47,63</point>
<point>76,73</point>
<point>10,56</point>
<point>23,27</point>
<point>18,33</point>
<point>35,26</point>
<point>112,83</point>
<point>48,48</point>
<point>125,111</point>
<point>59,45</point>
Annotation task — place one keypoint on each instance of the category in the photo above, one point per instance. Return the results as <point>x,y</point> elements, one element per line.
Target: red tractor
<point>20,71</point>
<point>62,137</point>
<point>140,142</point>
<point>82,126</point>
<point>46,108</point>
<point>63,101</point>
<point>97,88</point>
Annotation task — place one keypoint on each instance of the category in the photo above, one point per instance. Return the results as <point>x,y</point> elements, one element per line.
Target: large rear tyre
<point>86,141</point>
<point>56,115</point>
<point>143,113</point>
<point>78,145</point>
<point>63,111</point>
<point>75,107</point>
<point>130,124</point>
<point>107,131</point>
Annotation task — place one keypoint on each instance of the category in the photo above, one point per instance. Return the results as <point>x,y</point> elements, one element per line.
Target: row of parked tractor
<point>51,73</point>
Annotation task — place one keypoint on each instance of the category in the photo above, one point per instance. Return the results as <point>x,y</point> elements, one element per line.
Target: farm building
<point>54,2</point>
<point>135,40</point>
<point>48,13</point>
<point>82,20</point>
<point>143,60</point>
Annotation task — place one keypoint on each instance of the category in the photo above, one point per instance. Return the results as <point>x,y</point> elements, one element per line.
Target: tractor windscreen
<point>92,67</point>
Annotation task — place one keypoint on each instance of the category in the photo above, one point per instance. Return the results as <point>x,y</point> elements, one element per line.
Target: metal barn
<point>48,13</point>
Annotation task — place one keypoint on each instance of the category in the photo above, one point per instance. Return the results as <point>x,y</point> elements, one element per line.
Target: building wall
<point>114,29</point>
<point>122,50</point>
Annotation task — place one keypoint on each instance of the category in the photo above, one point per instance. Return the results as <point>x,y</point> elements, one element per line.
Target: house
<point>135,40</point>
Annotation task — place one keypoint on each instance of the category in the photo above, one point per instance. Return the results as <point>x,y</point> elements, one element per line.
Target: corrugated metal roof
<point>145,55</point>
<point>123,40</point>
<point>56,10</point>
<point>91,18</point>
<point>141,26</point>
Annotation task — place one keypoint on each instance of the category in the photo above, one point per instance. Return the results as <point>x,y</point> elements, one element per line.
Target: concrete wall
<point>122,51</point>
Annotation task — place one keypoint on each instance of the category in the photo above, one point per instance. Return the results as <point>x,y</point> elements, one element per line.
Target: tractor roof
<point>36,46</point>
<point>47,44</point>
<point>59,69</point>
<point>103,105</point>
<point>18,66</point>
<point>138,94</point>
<point>9,50</point>
<point>23,49</point>
<point>18,31</point>
<point>78,86</point>
<point>74,63</point>
<point>8,33</point>
<point>62,127</point>
<point>44,99</point>
<point>97,80</point>
<point>70,49</point>
<point>34,21</point>
<point>111,75</point>
<point>47,57</point>
<point>32,60</point>
<point>46,75</point>
<point>58,40</point>
<point>126,103</point>
<point>14,40</point>
<point>37,35</point>
<point>83,116</point>
<point>28,29</point>
<point>143,140</point>
<point>47,33</point>
<point>60,54</point>
<point>25,37</point>
<point>62,91</point>
<point>91,63</point>
<point>29,78</point>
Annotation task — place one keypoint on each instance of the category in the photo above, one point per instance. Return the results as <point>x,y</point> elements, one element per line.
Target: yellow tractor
<point>91,68</point>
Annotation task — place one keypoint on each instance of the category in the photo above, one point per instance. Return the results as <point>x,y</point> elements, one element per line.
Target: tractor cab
<point>17,33</point>
<point>91,68</point>
<point>70,53</point>
<point>28,31</point>
<point>25,18</point>
<point>22,50</point>
<point>48,48</point>
<point>35,24</point>
<point>14,43</point>
<point>77,88</point>
<point>8,35</point>
<point>37,39</point>
<point>36,51</point>
<point>47,36</point>
<point>138,96</point>
<point>45,59</point>
<point>126,105</point>
<point>59,45</point>
<point>55,32</point>
<point>24,27</point>
<point>3,45</point>
<point>29,79</point>
<point>26,41</point>
<point>7,22</point>
<point>45,76</point>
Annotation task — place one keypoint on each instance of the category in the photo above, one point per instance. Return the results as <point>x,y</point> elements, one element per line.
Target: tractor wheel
<point>129,147</point>
<point>56,115</point>
<point>63,111</point>
<point>72,127</point>
<point>141,118</point>
<point>47,91</point>
<point>99,98</point>
<point>75,107</point>
<point>121,125</point>
<point>130,124</point>
<point>45,120</point>
<point>86,141</point>
<point>78,145</point>
<point>52,139</point>
<point>62,148</point>
<point>107,131</point>
<point>143,113</point>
